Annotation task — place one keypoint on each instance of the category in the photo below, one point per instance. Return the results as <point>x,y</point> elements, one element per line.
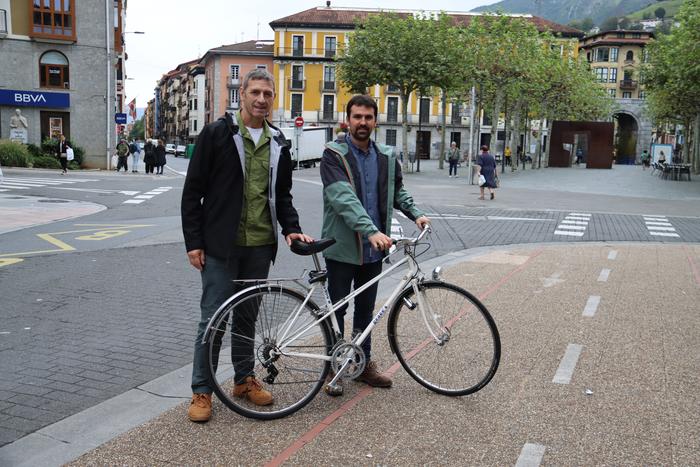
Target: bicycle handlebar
<point>412,241</point>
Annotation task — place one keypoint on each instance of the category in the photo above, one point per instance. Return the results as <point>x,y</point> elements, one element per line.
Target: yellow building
<point>306,46</point>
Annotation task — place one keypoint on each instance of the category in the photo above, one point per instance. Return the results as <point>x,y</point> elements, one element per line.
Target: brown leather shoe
<point>200,407</point>
<point>337,390</point>
<point>252,390</point>
<point>372,377</point>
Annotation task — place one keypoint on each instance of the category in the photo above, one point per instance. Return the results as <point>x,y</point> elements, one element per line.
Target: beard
<point>361,133</point>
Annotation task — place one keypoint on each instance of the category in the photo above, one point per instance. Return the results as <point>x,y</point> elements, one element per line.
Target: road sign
<point>120,118</point>
<point>299,122</point>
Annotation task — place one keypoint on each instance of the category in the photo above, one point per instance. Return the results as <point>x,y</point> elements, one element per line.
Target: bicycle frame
<point>411,277</point>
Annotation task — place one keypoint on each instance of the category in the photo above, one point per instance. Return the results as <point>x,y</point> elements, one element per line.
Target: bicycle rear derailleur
<point>344,351</point>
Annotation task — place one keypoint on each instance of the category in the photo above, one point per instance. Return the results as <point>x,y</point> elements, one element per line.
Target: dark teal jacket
<point>344,216</point>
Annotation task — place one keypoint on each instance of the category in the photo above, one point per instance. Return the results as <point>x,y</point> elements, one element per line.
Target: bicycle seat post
<point>317,263</point>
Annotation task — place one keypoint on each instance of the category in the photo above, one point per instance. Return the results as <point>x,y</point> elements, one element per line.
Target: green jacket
<point>344,216</point>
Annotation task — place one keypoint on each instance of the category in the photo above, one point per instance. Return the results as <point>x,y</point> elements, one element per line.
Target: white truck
<point>307,148</point>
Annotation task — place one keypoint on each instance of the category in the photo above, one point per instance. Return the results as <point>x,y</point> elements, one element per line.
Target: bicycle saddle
<point>306,249</point>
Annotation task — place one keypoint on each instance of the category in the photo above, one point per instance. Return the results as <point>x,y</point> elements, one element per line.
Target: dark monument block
<point>600,136</point>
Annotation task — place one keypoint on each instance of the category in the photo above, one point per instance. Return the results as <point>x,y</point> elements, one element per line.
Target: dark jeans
<point>341,276</point>
<point>149,168</point>
<point>453,166</point>
<point>217,285</point>
<point>121,162</point>
<point>64,163</point>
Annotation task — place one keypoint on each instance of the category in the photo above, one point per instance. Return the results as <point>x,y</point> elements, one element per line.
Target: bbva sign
<point>34,99</point>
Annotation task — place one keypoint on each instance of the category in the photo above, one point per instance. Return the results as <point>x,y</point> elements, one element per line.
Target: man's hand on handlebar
<point>422,222</point>
<point>298,236</point>
<point>379,241</point>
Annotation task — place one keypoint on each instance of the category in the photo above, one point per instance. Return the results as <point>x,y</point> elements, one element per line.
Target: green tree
<point>673,78</point>
<point>406,52</point>
<point>609,24</point>
<point>660,12</point>
<point>587,24</point>
<point>138,130</point>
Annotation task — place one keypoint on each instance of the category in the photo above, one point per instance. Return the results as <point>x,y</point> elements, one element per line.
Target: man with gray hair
<point>237,189</point>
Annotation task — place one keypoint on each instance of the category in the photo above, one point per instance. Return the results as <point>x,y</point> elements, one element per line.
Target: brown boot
<point>252,390</point>
<point>200,407</point>
<point>337,390</point>
<point>372,377</point>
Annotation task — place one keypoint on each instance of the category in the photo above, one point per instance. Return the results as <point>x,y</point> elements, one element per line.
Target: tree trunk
<point>404,131</point>
<point>506,132</point>
<point>441,157</point>
<point>695,155</point>
<point>515,136</point>
<point>494,122</point>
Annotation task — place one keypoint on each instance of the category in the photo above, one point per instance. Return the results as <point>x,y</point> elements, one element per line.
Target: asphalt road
<point>96,305</point>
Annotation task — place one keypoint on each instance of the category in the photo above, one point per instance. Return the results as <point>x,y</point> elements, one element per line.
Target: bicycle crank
<point>347,352</point>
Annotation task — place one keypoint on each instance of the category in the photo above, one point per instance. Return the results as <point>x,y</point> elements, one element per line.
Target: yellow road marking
<point>62,246</point>
<point>103,235</point>
<point>8,261</point>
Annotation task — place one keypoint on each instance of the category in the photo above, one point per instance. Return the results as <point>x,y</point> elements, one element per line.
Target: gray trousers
<point>217,285</point>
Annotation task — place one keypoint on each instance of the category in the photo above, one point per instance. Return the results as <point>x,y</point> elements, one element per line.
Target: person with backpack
<point>122,154</point>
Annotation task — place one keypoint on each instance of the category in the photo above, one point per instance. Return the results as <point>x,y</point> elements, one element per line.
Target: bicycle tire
<point>466,361</point>
<point>294,380</point>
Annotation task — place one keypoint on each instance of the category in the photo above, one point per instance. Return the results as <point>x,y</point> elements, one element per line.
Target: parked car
<point>180,150</point>
<point>170,148</point>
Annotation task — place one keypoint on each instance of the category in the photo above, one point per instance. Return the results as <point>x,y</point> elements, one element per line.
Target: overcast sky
<point>177,31</point>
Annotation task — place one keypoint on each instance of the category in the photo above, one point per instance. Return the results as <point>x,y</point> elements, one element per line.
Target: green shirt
<point>256,227</point>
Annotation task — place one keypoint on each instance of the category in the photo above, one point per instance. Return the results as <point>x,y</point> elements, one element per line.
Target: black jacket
<point>212,198</point>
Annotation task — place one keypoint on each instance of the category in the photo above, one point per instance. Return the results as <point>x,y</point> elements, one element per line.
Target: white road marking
<point>568,364</point>
<point>665,229</point>
<point>530,455</point>
<point>612,255</point>
<point>134,201</point>
<point>571,227</point>
<point>591,306</point>
<point>312,182</point>
<point>664,234</point>
<point>579,214</point>
<point>604,274</point>
<point>144,196</point>
<point>551,280</point>
<point>570,234</point>
<point>574,222</point>
<point>657,223</point>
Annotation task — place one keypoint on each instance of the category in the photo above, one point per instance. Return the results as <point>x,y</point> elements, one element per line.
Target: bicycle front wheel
<point>445,338</point>
<point>275,339</point>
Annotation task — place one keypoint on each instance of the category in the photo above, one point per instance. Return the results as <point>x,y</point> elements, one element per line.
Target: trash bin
<point>189,151</point>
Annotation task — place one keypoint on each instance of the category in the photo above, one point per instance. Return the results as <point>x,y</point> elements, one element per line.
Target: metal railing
<point>307,52</point>
<point>628,84</point>
<point>233,82</point>
<point>296,84</point>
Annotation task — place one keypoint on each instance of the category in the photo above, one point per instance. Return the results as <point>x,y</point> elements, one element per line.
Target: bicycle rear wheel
<point>275,339</point>
<point>461,354</point>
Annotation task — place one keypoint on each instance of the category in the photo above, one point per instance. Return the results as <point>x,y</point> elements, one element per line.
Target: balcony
<point>296,84</point>
<point>233,82</point>
<point>327,116</point>
<point>628,84</point>
<point>330,54</point>
<point>328,86</point>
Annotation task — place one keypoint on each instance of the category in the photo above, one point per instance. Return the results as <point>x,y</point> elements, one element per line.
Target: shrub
<point>49,146</point>
<point>44,161</point>
<point>34,150</point>
<point>13,154</point>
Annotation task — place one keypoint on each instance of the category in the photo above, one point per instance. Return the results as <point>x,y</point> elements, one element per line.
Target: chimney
<point>328,3</point>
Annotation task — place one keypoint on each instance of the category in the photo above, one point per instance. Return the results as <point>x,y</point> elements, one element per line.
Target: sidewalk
<point>631,397</point>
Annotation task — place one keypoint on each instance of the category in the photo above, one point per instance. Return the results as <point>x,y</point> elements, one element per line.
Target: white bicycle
<point>443,336</point>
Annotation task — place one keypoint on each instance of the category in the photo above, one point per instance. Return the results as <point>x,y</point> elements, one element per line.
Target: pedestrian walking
<point>645,159</point>
<point>135,151</point>
<point>231,205</point>
<point>160,157</point>
<point>62,153</point>
<point>487,168</point>
<point>509,156</point>
<point>453,158</point>
<point>149,157</point>
<point>122,155</point>
<point>362,183</point>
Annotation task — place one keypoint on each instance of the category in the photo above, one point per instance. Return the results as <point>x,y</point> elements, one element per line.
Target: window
<point>329,78</point>
<point>612,92</point>
<point>613,75</point>
<point>328,103</point>
<point>629,57</point>
<point>456,114</point>
<point>620,35</point>
<point>53,18</point>
<point>194,125</point>
<point>3,21</point>
<point>613,54</point>
<point>392,88</point>
<point>626,95</point>
<point>234,98</point>
<point>642,94</point>
<point>601,75</point>
<point>636,35</point>
<point>53,70</point>
<point>261,67</point>
<point>298,46</point>
<point>391,137</point>
<point>297,77</point>
<point>331,44</point>
<point>235,71</point>
<point>392,110</point>
<point>296,105</point>
<point>602,54</point>
<point>194,104</point>
<point>425,110</point>
<point>645,56</point>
